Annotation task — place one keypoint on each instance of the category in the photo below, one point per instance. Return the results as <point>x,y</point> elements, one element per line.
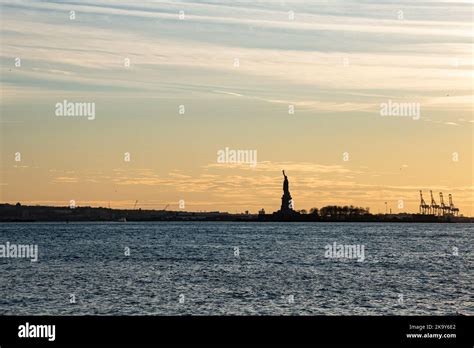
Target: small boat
<point>122,220</point>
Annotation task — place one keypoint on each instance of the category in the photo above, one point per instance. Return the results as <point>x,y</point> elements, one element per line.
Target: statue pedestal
<point>286,204</point>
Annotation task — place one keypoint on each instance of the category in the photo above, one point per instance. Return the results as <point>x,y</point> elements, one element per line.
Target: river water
<point>223,268</point>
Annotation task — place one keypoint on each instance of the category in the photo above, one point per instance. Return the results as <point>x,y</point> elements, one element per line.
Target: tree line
<point>337,211</point>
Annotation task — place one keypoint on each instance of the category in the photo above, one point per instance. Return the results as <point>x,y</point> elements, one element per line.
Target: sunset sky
<point>237,67</point>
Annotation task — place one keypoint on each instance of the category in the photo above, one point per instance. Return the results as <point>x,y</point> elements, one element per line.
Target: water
<point>281,269</point>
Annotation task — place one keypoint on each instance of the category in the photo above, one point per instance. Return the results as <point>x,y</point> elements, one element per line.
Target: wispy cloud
<point>332,58</point>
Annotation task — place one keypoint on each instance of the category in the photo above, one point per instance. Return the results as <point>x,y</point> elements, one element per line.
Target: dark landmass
<point>20,213</point>
<point>330,213</point>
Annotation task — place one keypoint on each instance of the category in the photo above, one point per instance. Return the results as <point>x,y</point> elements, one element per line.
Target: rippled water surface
<point>182,268</point>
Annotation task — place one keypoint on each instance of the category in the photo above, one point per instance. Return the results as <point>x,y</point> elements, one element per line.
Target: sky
<point>300,83</point>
